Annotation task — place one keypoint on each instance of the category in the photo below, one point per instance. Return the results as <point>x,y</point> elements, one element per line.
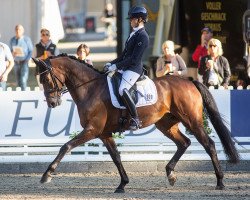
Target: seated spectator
<point>214,67</point>
<point>169,62</point>
<point>82,53</point>
<point>44,49</point>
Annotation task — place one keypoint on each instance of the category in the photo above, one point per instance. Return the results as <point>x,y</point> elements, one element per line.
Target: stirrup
<point>134,124</point>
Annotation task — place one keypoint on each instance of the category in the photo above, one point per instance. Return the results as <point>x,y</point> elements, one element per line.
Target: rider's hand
<point>112,68</point>
<point>106,67</point>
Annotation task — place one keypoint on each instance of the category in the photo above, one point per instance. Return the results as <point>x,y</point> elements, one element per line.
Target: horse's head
<point>52,85</point>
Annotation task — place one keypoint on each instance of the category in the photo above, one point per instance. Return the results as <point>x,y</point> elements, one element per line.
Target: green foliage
<point>206,124</point>
<point>118,136</point>
<point>208,130</point>
<point>74,134</point>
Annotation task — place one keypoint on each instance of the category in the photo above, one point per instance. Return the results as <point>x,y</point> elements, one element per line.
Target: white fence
<point>31,132</point>
<point>130,148</point>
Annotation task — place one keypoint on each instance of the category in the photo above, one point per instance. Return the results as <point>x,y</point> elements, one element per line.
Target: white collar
<point>137,28</point>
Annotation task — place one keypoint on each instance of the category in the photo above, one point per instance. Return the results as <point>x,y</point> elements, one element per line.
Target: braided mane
<point>75,58</point>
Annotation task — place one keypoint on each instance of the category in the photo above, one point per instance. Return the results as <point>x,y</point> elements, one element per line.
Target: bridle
<point>56,89</point>
<point>55,79</point>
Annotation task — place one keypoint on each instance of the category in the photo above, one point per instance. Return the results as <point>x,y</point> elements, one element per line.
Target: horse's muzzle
<point>53,102</point>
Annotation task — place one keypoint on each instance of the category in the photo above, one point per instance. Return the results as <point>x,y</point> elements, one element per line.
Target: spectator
<point>201,49</point>
<point>6,64</point>
<point>44,49</point>
<point>169,62</point>
<point>214,67</point>
<point>21,48</point>
<point>109,20</point>
<point>82,53</point>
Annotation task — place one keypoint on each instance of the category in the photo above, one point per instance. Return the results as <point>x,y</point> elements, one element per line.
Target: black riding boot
<point>130,105</point>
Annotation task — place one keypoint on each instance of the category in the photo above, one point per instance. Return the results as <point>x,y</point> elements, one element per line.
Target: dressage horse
<point>179,100</point>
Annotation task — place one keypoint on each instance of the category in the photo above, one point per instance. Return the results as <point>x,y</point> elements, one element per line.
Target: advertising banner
<point>25,115</point>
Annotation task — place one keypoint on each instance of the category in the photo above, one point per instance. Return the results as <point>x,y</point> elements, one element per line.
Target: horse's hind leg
<point>112,149</point>
<point>168,125</point>
<point>81,138</point>
<point>209,147</point>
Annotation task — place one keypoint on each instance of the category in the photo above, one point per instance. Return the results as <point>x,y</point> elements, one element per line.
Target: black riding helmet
<point>137,12</point>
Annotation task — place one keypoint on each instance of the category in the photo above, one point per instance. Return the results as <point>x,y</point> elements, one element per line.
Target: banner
<point>25,115</point>
<point>225,19</point>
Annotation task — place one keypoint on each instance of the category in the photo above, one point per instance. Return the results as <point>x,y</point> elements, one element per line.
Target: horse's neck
<point>79,81</point>
<point>80,74</point>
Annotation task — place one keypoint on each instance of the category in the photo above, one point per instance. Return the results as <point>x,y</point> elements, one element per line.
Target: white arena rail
<point>131,149</point>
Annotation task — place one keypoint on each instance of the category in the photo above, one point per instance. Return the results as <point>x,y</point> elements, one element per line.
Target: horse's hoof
<point>172,179</point>
<point>220,187</point>
<point>119,190</point>
<point>45,179</point>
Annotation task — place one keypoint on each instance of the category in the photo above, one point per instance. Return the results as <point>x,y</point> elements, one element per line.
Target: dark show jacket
<point>131,57</point>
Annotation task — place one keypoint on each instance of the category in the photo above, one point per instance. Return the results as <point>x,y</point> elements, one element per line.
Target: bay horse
<point>179,100</point>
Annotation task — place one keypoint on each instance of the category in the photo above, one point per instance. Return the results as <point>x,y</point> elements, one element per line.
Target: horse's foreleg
<point>83,137</point>
<point>112,149</point>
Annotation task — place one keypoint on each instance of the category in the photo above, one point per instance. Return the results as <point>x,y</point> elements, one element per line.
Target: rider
<point>130,62</point>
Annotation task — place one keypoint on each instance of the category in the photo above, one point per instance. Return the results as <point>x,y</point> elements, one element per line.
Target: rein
<point>80,85</point>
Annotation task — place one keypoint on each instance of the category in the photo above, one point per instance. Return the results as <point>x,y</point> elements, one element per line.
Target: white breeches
<point>128,80</point>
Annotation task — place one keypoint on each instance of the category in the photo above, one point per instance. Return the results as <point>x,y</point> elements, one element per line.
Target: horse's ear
<point>40,64</point>
<point>36,61</point>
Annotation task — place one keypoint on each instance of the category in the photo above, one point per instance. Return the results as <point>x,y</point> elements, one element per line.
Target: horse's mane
<point>75,58</point>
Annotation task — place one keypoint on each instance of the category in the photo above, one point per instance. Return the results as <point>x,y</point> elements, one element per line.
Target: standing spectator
<point>214,67</point>
<point>169,62</point>
<point>201,49</point>
<point>21,48</point>
<point>44,49</point>
<point>109,20</point>
<point>6,64</point>
<point>82,53</point>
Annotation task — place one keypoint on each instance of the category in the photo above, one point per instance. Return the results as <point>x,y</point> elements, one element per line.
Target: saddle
<point>116,82</point>
<point>143,91</point>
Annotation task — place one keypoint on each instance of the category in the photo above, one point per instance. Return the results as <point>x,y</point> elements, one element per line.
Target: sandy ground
<point>190,185</point>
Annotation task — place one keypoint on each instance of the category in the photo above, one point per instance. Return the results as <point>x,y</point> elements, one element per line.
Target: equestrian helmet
<point>137,12</point>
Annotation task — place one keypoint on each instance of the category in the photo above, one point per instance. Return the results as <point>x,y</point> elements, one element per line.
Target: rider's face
<point>134,22</point>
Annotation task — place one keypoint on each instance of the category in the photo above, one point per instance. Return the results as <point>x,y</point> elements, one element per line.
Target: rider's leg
<point>128,80</point>
<point>130,105</point>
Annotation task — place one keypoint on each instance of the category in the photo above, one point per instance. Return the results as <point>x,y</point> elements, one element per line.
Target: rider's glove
<point>112,68</point>
<point>106,67</point>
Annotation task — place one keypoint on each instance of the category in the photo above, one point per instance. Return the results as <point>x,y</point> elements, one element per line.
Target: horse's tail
<point>217,121</point>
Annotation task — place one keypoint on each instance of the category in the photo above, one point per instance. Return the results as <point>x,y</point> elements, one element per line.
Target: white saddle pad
<point>147,93</point>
